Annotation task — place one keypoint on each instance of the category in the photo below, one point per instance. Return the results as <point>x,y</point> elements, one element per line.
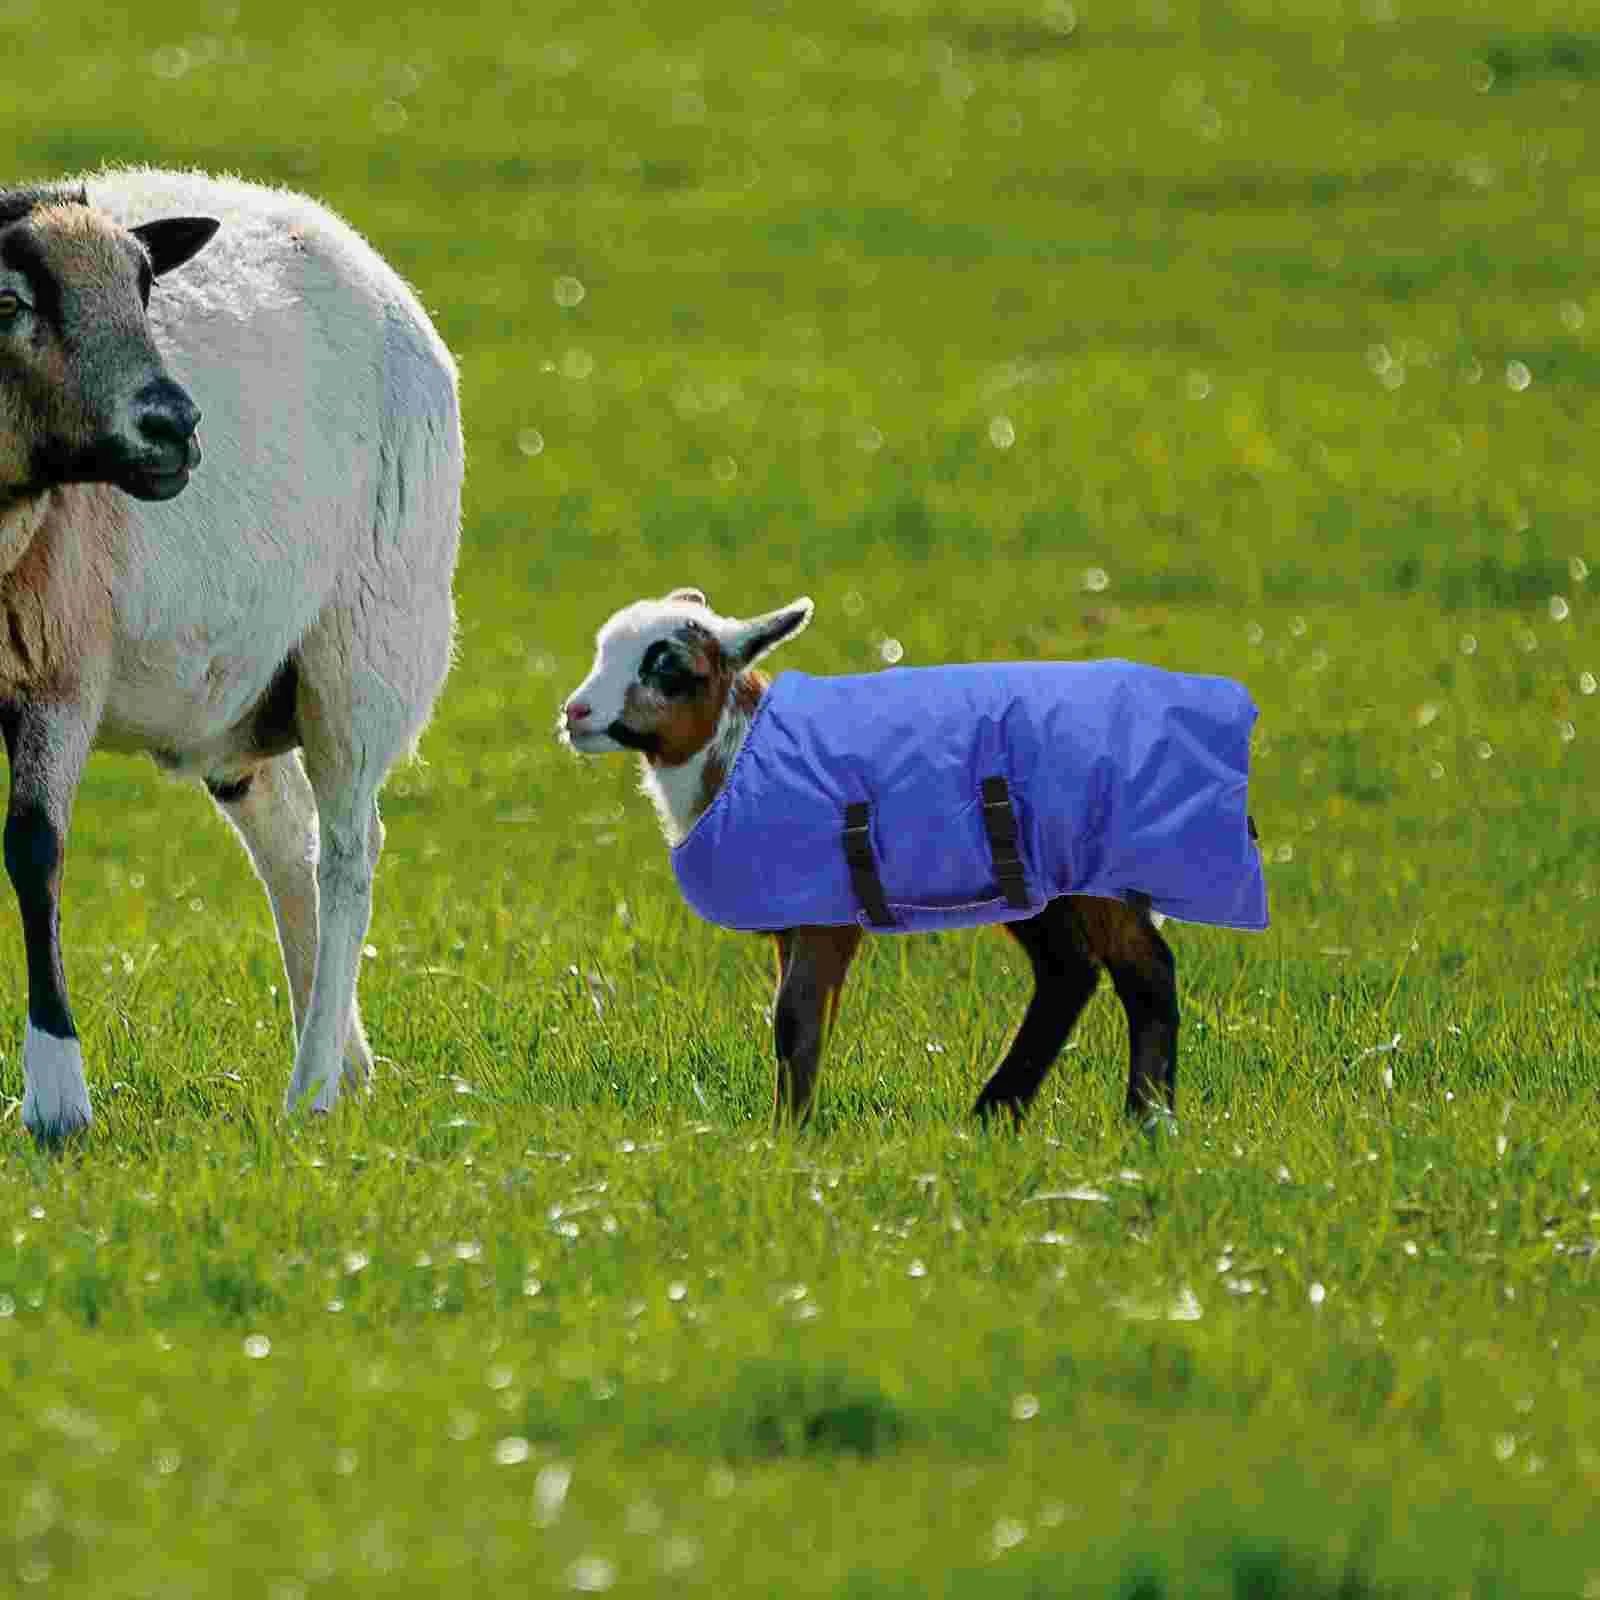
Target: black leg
<point>47,745</point>
<point>1064,977</point>
<point>812,966</point>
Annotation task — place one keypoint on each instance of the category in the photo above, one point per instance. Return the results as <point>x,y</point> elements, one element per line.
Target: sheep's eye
<point>10,305</point>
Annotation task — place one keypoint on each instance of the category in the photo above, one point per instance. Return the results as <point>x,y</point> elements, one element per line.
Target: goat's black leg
<point>1144,974</point>
<point>1064,978</point>
<point>47,745</point>
<point>812,966</point>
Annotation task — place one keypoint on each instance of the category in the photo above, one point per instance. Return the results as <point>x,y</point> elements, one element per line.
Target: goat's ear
<point>751,640</point>
<point>695,597</point>
<point>174,240</point>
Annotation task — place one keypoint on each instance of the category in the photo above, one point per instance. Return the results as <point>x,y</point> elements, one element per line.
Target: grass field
<point>1259,339</point>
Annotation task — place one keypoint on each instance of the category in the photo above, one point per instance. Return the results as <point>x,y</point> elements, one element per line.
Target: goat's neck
<point>682,792</point>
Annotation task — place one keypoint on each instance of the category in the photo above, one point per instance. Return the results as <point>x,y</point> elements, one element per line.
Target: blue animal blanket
<point>1123,779</point>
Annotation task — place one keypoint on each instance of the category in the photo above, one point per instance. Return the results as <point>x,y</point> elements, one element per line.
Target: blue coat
<point>1122,779</point>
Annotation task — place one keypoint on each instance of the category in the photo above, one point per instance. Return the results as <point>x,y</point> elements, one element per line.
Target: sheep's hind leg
<point>275,812</point>
<point>368,677</point>
<point>47,746</point>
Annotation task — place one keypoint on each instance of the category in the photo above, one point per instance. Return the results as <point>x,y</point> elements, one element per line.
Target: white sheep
<point>279,624</point>
<point>1072,801</point>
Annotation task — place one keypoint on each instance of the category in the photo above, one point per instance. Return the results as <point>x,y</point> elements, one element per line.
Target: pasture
<point>1256,339</point>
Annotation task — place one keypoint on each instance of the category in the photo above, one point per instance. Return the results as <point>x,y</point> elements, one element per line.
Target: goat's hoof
<point>1160,1126</point>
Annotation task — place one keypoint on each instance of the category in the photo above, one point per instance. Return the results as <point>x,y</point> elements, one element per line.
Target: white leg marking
<point>55,1102</point>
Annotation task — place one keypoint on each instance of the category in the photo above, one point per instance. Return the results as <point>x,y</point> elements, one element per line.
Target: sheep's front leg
<point>812,965</point>
<point>47,744</point>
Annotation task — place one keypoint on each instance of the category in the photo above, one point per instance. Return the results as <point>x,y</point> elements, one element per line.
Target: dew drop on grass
<point>530,442</point>
<point>512,1451</point>
<point>550,1492</point>
<point>679,1553</point>
<point>892,651</point>
<point>642,1517</point>
<point>1559,609</point>
<point>1008,1533</point>
<point>1316,1294</point>
<point>1587,683</point>
<point>1025,1407</point>
<point>567,291</point>
<point>355,1261</point>
<point>1518,377</point>
<point>591,1575</point>
<point>1002,433</point>
<point>258,1346</point>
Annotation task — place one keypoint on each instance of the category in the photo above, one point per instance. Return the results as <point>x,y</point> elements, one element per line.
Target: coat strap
<point>863,869</point>
<point>1000,823</point>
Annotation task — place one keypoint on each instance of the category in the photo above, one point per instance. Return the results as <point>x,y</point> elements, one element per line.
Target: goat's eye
<point>665,671</point>
<point>10,305</point>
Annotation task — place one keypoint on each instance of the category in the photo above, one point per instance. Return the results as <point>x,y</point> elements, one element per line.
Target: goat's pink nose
<point>577,712</point>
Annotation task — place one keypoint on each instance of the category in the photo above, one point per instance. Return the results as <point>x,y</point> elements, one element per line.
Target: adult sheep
<point>279,626</point>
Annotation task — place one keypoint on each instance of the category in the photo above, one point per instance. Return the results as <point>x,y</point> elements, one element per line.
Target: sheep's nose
<point>577,712</point>
<point>166,416</point>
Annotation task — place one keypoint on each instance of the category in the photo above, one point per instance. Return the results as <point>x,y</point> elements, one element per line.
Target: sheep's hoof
<point>1160,1126</point>
<point>57,1137</point>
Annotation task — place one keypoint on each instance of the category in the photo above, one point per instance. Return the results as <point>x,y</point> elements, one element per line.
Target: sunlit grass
<point>1258,342</point>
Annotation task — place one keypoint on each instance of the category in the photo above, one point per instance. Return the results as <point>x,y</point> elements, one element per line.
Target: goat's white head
<point>663,671</point>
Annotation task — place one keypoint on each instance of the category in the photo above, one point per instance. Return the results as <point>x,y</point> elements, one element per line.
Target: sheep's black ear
<point>695,597</point>
<point>753,639</point>
<point>174,240</point>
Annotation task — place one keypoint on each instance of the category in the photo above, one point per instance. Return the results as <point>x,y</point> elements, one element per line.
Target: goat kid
<point>294,598</point>
<point>1080,887</point>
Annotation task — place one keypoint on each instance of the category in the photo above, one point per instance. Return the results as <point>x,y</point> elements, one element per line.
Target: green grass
<point>1287,314</point>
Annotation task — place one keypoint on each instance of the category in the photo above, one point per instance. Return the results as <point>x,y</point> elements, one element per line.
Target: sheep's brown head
<point>663,671</point>
<point>84,394</point>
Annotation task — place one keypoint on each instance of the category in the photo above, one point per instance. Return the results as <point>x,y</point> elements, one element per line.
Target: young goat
<point>1075,803</point>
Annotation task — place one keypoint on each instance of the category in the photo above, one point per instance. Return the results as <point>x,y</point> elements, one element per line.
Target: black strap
<point>1251,823</point>
<point>863,869</point>
<point>1000,823</point>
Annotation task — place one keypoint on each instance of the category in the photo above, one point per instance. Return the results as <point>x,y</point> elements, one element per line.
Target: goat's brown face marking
<point>678,697</point>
